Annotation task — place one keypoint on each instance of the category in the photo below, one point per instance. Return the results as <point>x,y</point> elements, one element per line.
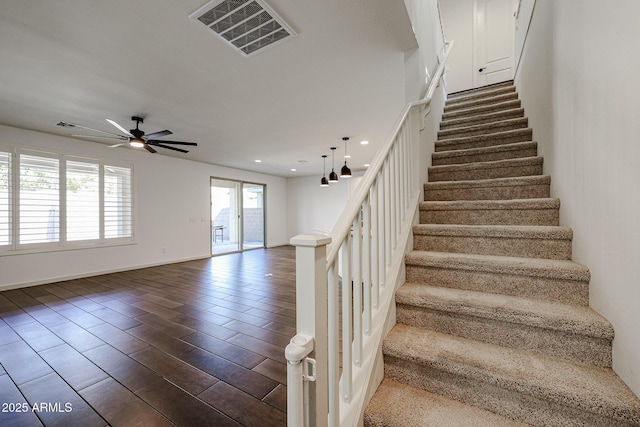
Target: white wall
<point>457,19</point>
<point>578,80</point>
<point>314,209</point>
<point>523,19</point>
<point>425,22</point>
<point>172,204</point>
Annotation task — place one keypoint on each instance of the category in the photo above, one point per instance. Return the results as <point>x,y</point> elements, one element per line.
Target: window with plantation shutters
<point>52,202</point>
<point>39,199</point>
<point>118,211</point>
<point>83,201</point>
<point>5,198</point>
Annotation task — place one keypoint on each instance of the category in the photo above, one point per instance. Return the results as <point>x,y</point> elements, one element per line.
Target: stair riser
<point>481,102</point>
<point>528,150</point>
<point>542,288</point>
<point>436,175</point>
<point>501,246</point>
<point>489,93</point>
<point>572,347</point>
<point>487,193</point>
<point>482,119</point>
<point>491,217</point>
<point>481,141</point>
<point>486,109</point>
<point>483,129</point>
<point>496,398</point>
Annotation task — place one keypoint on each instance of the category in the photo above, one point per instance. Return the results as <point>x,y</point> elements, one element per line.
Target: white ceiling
<point>83,61</point>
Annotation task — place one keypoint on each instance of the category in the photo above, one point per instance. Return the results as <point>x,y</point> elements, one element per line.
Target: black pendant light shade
<point>333,176</point>
<point>324,182</point>
<point>345,172</point>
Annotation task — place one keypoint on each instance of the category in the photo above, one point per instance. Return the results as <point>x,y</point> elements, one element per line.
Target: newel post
<point>311,320</point>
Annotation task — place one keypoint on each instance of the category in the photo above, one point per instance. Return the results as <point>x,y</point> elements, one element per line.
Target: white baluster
<point>334,346</point>
<point>375,259</point>
<point>357,290</point>
<point>347,321</point>
<point>366,266</point>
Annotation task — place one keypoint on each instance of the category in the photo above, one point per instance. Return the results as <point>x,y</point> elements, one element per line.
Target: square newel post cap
<point>310,240</point>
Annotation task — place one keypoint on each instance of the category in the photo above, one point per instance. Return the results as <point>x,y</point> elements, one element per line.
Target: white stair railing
<point>340,320</point>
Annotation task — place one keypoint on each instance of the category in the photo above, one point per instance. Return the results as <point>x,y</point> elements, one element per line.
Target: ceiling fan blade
<point>158,134</point>
<point>120,128</point>
<point>149,148</point>
<point>156,144</point>
<point>174,142</point>
<point>121,138</point>
<point>77,126</point>
<point>118,145</point>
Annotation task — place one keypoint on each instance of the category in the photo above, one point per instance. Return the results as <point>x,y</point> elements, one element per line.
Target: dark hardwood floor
<point>198,343</point>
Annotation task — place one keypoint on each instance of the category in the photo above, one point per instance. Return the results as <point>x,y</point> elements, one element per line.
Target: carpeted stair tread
<point>532,267</point>
<point>486,140</point>
<point>488,93</point>
<point>484,109</point>
<point>515,204</point>
<point>510,231</point>
<point>568,318</point>
<point>524,166</point>
<point>536,211</point>
<point>591,389</point>
<point>485,154</point>
<point>472,103</point>
<point>535,241</point>
<point>482,118</point>
<point>399,405</point>
<point>483,128</point>
<point>551,242</point>
<point>489,189</point>
<point>488,88</point>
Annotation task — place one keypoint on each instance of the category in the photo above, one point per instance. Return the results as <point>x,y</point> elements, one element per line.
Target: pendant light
<point>345,172</point>
<point>324,182</point>
<point>333,176</point>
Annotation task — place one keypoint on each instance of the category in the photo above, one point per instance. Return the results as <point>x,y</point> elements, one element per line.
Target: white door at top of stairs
<point>494,41</point>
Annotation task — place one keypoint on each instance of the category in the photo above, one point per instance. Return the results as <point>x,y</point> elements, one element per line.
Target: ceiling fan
<point>134,137</point>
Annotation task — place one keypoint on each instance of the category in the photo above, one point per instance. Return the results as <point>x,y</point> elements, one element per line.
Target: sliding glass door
<point>237,216</point>
<point>252,216</point>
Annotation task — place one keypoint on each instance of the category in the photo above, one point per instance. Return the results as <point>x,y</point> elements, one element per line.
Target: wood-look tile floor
<point>198,343</point>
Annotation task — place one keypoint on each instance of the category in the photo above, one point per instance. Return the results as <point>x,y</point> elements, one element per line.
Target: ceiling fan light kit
<point>135,137</point>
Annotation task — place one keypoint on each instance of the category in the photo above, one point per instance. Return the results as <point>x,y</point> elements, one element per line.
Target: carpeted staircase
<point>493,323</point>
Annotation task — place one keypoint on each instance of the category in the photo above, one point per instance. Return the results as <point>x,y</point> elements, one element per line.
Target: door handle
<point>482,69</point>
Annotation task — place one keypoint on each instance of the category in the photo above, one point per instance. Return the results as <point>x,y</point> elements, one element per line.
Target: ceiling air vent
<point>246,25</point>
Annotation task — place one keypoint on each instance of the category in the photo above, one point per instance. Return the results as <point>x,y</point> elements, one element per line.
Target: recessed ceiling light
<point>293,169</point>
<point>258,161</point>
<point>366,165</point>
<point>364,142</point>
<point>347,156</point>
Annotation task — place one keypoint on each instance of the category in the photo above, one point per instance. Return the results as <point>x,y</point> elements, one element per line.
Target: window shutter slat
<point>118,211</point>
<point>5,198</point>
<point>83,201</point>
<point>39,199</point>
